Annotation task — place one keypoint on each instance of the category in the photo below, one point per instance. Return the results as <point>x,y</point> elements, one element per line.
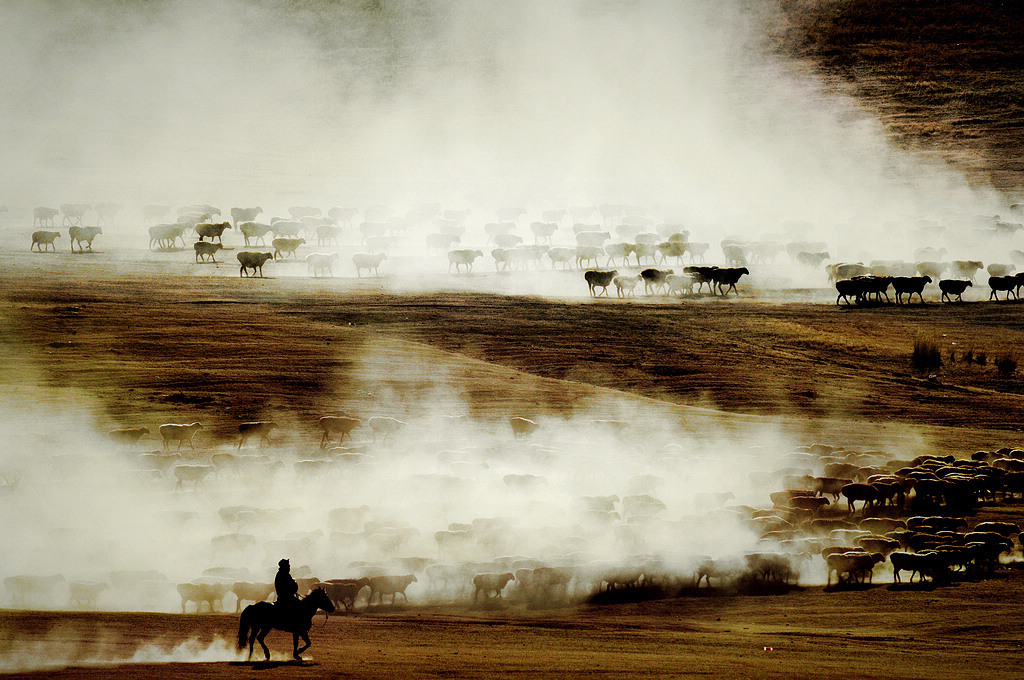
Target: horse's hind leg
<point>259,637</point>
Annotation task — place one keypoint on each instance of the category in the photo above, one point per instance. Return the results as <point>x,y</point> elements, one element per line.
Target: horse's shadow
<point>269,665</point>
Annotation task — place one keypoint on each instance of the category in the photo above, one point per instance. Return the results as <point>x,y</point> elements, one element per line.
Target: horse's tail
<point>243,628</point>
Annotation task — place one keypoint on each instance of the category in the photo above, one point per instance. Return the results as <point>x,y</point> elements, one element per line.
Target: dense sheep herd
<point>380,511</point>
<point>615,246</point>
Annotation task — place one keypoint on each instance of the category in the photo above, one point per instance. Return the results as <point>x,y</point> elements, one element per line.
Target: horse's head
<point>321,600</point>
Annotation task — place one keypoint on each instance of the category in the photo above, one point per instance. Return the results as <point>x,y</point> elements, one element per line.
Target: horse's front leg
<point>305,638</point>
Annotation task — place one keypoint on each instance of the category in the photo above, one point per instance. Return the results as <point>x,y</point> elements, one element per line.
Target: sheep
<point>488,583</point>
<point>286,228</point>
<point>25,589</point>
<point>283,247</point>
<point>154,213</point>
<point>1004,283</point>
<point>507,240</point>
<point>729,277</point>
<point>327,234</point>
<point>340,215</point>
<point>239,215</point>
<point>318,262</point>
<point>644,251</point>
<point>441,241</point>
<point>254,230</point>
<point>203,208</point>
<point>844,271</point>
<point>165,235</point>
<point>655,279</point>
<point>212,230</point>
<point>626,285</point>
<point>618,250</point>
<point>856,565</point>
<point>599,279</point>
<point>212,593</point>
<point>373,230</point>
<point>909,285</point>
<point>128,436</point>
<point>246,591</point>
<point>368,261</point>
<point>679,284</point>
<point>561,254</point>
<point>179,433</point>
<point>522,427</point>
<point>337,425</point>
<point>44,238</point>
<point>924,563</point>
<point>814,260</point>
<point>967,268</point>
<point>495,229</point>
<point>44,216</point>
<point>390,585</point>
<point>73,213</point>
<point>384,426</point>
<point>344,591</point>
<point>84,593</point>
<point>697,251</point>
<point>252,260</point>
<point>933,269</point>
<point>592,238</point>
<point>995,269</point>
<point>955,287</point>
<point>669,249</point>
<point>860,492</point>
<point>379,243</point>
<point>260,428</point>
<point>587,254</point>
<point>458,258</point>
<point>543,231</point>
<point>735,253</point>
<point>204,250</point>
<point>191,473</point>
<point>81,235</point>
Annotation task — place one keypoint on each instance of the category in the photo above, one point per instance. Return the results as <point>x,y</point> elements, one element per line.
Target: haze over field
<point>468,104</point>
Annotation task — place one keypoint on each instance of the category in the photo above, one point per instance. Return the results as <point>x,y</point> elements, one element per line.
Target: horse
<point>259,619</point>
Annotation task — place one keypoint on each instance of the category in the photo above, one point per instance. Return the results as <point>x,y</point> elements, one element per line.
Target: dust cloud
<point>678,106</point>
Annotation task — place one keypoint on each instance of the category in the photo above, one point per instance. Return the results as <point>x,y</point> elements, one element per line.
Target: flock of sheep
<point>837,516</point>
<point>628,238</point>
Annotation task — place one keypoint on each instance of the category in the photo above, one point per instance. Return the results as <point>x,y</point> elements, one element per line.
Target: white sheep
<point>319,262</point>
<point>368,261</point>
<point>191,473</point>
<point>458,258</point>
<point>626,285</point>
<point>385,426</point>
<point>172,432</point>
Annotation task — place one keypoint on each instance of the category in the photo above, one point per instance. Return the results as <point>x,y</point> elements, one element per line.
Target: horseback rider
<point>287,588</point>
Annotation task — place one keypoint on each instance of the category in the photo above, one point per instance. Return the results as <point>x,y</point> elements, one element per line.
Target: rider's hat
<point>283,563</point>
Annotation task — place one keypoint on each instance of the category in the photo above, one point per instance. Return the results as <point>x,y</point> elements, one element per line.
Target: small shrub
<point>969,356</point>
<point>926,355</point>
<point>1006,365</point>
<point>980,358</point>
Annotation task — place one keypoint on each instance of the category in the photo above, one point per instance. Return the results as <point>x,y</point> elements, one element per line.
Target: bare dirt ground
<point>162,345</point>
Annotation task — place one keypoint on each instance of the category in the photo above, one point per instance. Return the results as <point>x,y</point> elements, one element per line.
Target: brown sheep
<point>337,425</point>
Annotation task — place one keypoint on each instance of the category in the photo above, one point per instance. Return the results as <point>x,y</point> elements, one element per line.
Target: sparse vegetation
<point>1006,366</point>
<point>926,355</point>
